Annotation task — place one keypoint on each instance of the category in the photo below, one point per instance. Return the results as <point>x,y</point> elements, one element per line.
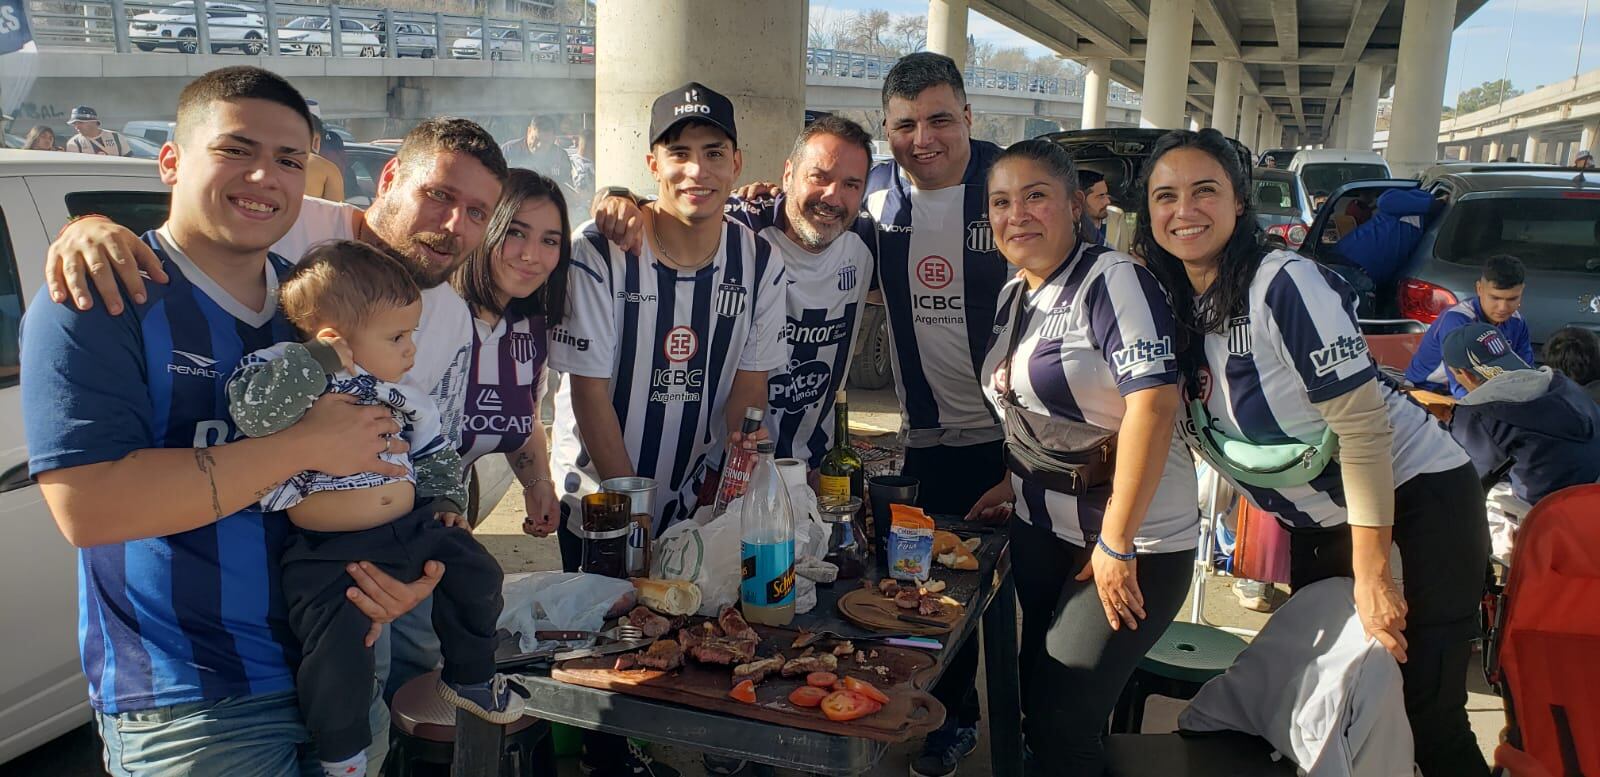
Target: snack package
<point>910,544</point>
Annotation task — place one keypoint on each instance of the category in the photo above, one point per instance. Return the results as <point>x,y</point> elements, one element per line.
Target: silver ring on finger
<point>387,441</point>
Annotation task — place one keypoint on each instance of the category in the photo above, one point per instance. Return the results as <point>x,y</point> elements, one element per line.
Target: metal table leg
<point>1000,665</point>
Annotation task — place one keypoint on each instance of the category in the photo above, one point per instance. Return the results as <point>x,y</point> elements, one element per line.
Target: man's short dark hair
<point>916,73</point>
<point>231,84</point>
<point>1504,271</point>
<point>1574,351</point>
<point>452,134</point>
<point>1087,179</point>
<point>546,123</point>
<point>837,126</point>
<point>676,131</point>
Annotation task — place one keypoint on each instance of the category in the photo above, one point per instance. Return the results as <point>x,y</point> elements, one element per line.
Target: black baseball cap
<point>691,101</point>
<point>1481,350</point>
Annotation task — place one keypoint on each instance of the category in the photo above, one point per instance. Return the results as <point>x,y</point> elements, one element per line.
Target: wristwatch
<point>619,191</point>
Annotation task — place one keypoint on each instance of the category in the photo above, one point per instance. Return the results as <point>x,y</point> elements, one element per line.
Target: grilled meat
<point>651,624</point>
<point>756,671</point>
<point>804,665</point>
<point>663,654</point>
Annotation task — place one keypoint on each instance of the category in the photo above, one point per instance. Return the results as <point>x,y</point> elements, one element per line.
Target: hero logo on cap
<point>692,101</point>
<point>691,104</point>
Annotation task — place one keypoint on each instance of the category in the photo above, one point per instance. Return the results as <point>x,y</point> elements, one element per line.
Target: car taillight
<point>1296,235</point>
<point>1424,301</point>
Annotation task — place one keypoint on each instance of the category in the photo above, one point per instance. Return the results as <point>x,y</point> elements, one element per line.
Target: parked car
<point>42,691</point>
<point>1282,206</point>
<point>504,43</point>
<point>1326,169</point>
<point>547,46</point>
<point>363,166</point>
<point>1280,157</point>
<point>1545,216</point>
<point>580,48</point>
<point>313,37</point>
<point>229,27</point>
<point>156,132</point>
<point>411,39</point>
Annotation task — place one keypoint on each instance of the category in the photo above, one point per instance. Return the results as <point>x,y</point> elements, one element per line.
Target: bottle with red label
<point>736,466</point>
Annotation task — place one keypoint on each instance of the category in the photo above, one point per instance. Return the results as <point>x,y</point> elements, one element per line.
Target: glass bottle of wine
<point>842,470</point>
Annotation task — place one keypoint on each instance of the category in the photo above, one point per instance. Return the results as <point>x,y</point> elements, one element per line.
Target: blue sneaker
<point>943,749</point>
<point>491,700</point>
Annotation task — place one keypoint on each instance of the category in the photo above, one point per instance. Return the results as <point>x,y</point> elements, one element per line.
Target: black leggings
<point>1073,665</point>
<point>1443,536</point>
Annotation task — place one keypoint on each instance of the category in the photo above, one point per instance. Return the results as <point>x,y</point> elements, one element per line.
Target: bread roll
<point>668,597</point>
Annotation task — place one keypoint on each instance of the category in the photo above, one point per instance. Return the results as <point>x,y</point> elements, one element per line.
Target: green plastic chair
<point>1186,656</point>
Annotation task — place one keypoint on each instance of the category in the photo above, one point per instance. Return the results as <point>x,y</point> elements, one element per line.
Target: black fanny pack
<point>1061,454</point>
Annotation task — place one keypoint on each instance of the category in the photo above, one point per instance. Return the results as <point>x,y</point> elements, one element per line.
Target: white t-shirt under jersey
<point>443,338</point>
<point>670,342</point>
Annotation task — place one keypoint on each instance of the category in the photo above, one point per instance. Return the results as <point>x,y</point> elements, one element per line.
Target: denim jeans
<point>240,736</point>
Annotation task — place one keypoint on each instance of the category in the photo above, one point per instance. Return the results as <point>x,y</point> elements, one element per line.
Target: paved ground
<point>872,413</point>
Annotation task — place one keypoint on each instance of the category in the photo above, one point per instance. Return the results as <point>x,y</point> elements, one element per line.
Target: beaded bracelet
<point>1118,556</point>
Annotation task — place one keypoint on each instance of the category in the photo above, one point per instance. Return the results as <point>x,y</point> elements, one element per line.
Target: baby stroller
<point>1545,634</point>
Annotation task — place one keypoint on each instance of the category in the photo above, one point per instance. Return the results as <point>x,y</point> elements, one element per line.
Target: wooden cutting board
<point>911,712</point>
<point>872,610</point>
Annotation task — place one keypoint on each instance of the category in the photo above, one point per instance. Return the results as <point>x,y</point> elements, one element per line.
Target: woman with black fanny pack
<point>1082,370</point>
<point>1284,399</point>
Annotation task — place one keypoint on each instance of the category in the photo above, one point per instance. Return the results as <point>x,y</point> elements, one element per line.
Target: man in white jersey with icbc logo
<point>941,277</point>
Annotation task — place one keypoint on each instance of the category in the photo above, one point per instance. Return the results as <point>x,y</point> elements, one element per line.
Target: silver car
<point>1283,208</point>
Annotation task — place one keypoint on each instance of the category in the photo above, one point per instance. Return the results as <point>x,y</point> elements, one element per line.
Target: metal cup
<point>641,494</point>
<point>604,532</point>
<point>883,491</point>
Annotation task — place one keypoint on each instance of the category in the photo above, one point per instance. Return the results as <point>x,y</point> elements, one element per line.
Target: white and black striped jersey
<point>826,297</point>
<point>1299,343</point>
<point>670,342</point>
<point>941,279</point>
<point>1099,328</point>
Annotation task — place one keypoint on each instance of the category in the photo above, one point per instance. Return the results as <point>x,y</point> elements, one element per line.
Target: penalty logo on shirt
<point>980,236</point>
<point>1239,336</point>
<point>522,346</point>
<point>730,299</point>
<point>847,278</point>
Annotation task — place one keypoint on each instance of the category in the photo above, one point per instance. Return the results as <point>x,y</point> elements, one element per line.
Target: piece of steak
<point>756,671</point>
<point>651,624</point>
<point>804,665</point>
<point>664,654</point>
<point>734,625</point>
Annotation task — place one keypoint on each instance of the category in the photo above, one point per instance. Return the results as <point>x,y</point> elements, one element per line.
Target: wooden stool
<point>425,725</point>
<point>1223,754</point>
<point>1185,657</point>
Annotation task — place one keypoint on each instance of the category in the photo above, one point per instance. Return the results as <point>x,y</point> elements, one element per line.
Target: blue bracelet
<point>1118,556</point>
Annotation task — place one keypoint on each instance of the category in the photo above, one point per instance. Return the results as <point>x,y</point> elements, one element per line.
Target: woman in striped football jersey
<point>1278,359</point>
<point>516,288</point>
<point>1084,335</point>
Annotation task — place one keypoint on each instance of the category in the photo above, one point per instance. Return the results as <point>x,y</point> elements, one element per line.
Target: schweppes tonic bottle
<point>766,594</point>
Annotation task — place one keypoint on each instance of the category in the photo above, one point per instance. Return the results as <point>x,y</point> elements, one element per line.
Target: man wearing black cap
<point>1512,410</point>
<point>90,138</point>
<point>666,347</point>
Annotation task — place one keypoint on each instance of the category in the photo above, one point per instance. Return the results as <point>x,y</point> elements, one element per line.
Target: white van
<point>42,690</point>
<point>1325,169</point>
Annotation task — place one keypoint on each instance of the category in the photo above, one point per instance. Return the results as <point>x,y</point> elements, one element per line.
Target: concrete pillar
<point>1341,128</point>
<point>1532,149</point>
<point>1166,67</point>
<point>1249,127</point>
<point>758,62</point>
<point>1363,116</point>
<point>1424,59</point>
<point>1096,90</point>
<point>1225,109</point>
<point>947,29</point>
<point>1590,137</point>
<point>1496,151</point>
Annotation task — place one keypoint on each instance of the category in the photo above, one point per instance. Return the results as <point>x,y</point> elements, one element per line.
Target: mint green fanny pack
<point>1284,465</point>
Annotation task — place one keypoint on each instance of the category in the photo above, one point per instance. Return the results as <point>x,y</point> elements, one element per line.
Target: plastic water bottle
<point>766,591</point>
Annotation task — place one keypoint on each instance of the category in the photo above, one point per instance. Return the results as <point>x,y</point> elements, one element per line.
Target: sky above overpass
<point>1544,49</point>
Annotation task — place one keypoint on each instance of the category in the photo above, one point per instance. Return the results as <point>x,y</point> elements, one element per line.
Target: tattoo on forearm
<point>521,462</point>
<point>207,464</point>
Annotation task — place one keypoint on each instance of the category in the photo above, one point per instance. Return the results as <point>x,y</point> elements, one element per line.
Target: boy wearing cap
<point>1512,410</point>
<point>90,138</point>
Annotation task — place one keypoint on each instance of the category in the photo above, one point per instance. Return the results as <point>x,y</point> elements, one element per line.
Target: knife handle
<point>563,636</point>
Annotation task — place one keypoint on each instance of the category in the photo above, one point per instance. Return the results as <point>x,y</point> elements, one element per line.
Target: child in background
<point>357,309</point>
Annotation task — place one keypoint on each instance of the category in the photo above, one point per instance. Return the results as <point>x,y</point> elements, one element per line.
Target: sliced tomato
<point>848,705</point>
<point>807,696</point>
<point>745,692</point>
<point>821,679</point>
<point>862,687</point>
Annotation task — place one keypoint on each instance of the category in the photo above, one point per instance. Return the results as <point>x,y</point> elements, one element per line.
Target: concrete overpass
<point>1549,124</point>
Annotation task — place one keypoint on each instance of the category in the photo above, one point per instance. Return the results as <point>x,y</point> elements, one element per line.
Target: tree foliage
<point>1484,95</point>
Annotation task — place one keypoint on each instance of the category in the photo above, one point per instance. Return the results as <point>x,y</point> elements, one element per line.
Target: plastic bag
<point>706,554</point>
<point>558,601</point>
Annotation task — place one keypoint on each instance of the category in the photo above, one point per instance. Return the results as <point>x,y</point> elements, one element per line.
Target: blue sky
<point>1543,50</point>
